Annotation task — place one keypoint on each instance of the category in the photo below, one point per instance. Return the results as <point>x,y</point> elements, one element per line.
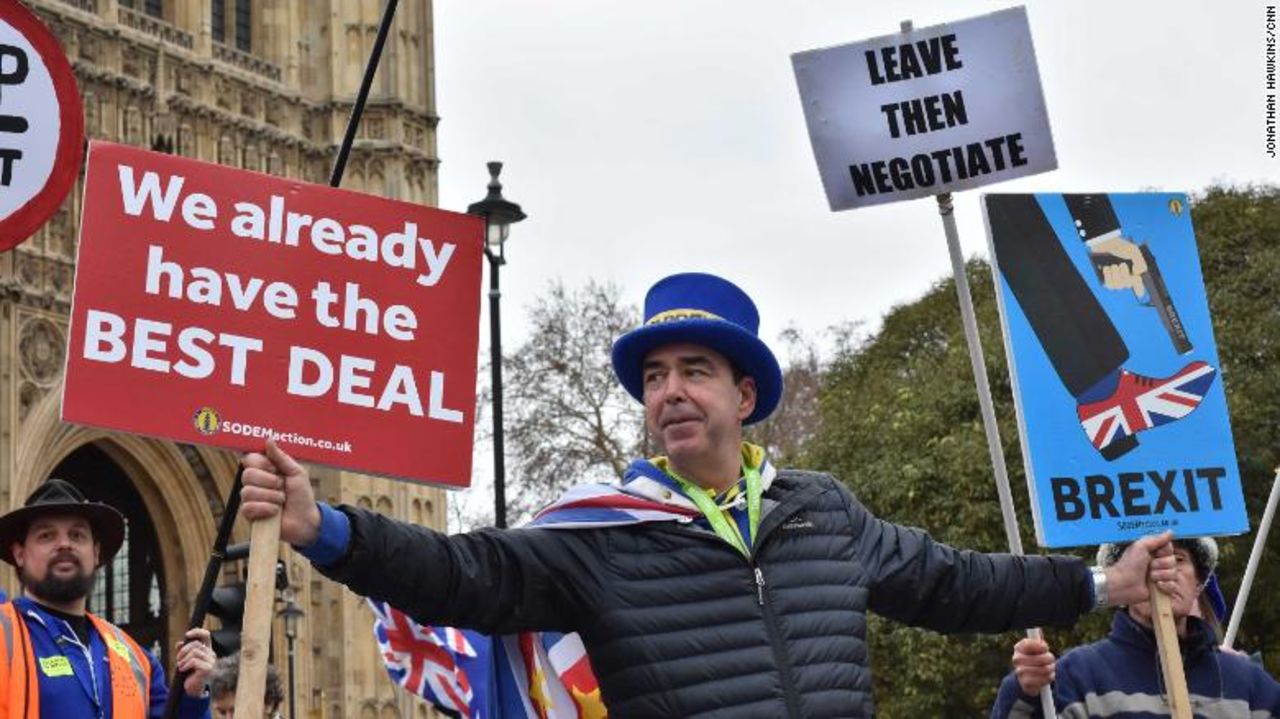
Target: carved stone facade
<point>170,81</point>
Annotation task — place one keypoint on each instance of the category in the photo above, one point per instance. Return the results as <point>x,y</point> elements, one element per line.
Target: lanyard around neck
<point>726,530</point>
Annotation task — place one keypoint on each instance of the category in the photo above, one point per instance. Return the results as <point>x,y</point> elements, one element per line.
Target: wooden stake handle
<point>1175,678</point>
<point>255,639</point>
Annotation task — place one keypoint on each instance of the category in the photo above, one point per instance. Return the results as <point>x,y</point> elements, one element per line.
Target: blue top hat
<point>705,310</point>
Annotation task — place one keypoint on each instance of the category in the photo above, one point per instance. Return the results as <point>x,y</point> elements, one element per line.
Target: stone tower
<point>266,85</point>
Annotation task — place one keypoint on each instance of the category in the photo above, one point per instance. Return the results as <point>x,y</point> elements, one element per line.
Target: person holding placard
<point>711,583</point>
<point>59,659</point>
<point>1119,676</point>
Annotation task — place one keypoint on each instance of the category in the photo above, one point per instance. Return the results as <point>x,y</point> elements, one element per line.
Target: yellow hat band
<point>681,314</point>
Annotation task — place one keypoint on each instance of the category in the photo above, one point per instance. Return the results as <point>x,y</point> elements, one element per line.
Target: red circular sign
<point>41,124</point>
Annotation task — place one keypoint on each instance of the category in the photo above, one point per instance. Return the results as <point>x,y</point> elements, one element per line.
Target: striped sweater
<point>1119,678</point>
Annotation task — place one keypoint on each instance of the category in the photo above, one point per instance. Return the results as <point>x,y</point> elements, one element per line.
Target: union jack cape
<point>531,675</point>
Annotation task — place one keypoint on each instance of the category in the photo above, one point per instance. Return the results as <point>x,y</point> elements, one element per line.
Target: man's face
<point>1185,595</point>
<point>691,403</point>
<point>57,559</point>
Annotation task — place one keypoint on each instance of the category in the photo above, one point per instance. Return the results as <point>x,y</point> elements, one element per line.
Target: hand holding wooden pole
<point>990,426</point>
<point>264,537</point>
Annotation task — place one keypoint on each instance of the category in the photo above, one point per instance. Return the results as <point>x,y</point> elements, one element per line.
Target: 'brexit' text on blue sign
<point>1121,411</point>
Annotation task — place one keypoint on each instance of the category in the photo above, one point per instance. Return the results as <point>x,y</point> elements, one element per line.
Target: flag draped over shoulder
<point>530,675</point>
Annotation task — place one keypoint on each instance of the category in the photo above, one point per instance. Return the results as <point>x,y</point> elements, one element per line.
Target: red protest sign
<point>41,124</point>
<point>220,306</point>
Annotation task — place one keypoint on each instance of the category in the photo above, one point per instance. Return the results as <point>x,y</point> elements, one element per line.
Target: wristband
<point>1101,598</point>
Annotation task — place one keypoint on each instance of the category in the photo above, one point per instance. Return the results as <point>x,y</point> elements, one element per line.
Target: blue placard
<point>1121,411</point>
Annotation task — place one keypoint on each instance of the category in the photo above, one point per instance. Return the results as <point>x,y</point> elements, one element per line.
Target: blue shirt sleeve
<point>333,540</point>
<point>189,707</point>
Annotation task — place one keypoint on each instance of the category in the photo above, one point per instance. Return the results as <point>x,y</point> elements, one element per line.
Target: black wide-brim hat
<point>705,310</point>
<point>59,497</point>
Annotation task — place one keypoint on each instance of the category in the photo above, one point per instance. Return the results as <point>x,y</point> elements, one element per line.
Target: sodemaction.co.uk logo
<point>206,420</point>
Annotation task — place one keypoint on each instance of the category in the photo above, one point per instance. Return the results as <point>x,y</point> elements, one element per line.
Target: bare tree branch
<point>568,420</point>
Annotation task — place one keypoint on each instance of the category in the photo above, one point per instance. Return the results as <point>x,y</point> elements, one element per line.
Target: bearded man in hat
<point>1120,676</point>
<point>60,660</point>
<point>711,583</point>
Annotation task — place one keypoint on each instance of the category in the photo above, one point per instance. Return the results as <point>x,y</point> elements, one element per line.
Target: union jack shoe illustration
<point>1140,403</point>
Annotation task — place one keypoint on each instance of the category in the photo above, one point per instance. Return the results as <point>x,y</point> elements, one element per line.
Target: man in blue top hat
<point>710,583</point>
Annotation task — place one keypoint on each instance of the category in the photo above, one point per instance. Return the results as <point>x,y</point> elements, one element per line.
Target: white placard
<point>932,110</point>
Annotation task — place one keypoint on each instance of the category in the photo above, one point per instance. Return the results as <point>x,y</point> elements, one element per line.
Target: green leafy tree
<point>900,423</point>
<point>1240,257</point>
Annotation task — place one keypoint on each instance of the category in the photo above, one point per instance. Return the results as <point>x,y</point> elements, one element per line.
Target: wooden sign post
<point>259,596</point>
<point>264,535</point>
<point>1175,678</point>
<point>860,102</point>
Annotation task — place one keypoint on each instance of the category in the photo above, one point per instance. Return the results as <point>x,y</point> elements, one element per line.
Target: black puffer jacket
<point>678,624</point>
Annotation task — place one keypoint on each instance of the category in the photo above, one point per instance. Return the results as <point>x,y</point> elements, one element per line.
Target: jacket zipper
<point>790,695</point>
<point>775,639</point>
<point>74,641</point>
<point>93,675</point>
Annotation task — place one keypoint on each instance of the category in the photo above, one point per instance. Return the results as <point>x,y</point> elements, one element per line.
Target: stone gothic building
<point>265,85</point>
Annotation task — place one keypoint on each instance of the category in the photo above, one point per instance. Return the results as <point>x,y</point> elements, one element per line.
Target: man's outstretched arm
<point>491,580</point>
<point>919,581</point>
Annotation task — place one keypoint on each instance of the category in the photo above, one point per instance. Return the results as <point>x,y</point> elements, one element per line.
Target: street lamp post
<point>291,614</point>
<point>499,214</point>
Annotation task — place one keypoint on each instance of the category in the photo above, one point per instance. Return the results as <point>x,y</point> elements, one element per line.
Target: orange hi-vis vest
<point>20,689</point>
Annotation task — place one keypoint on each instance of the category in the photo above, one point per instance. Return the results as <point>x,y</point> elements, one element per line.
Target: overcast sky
<point>644,138</point>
